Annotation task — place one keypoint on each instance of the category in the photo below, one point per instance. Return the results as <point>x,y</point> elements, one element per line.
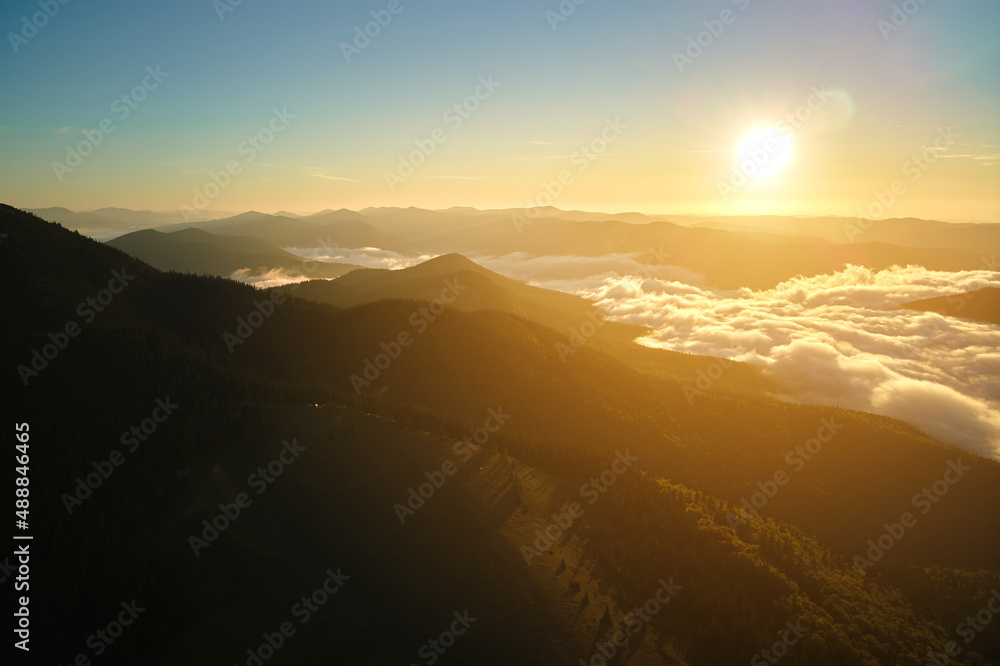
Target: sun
<point>764,152</point>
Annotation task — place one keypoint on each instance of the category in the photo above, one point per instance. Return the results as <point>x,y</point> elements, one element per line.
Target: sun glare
<point>764,152</point>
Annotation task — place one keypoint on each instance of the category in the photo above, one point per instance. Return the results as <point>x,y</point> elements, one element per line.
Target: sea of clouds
<point>839,339</point>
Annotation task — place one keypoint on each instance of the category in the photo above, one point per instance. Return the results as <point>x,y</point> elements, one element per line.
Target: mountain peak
<point>452,261</point>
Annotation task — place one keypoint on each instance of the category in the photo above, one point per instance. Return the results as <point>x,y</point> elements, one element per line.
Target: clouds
<point>838,339</point>
<point>276,277</point>
<point>323,175</point>
<point>572,273</point>
<point>367,257</point>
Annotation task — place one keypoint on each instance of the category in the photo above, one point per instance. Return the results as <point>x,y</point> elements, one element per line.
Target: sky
<point>627,106</point>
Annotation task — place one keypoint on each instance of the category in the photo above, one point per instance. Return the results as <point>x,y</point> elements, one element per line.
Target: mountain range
<point>191,250</point>
<point>755,512</point>
<point>729,253</point>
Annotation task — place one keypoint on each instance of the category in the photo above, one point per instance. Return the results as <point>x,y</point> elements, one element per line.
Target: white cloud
<point>838,339</point>
<point>276,277</point>
<point>323,175</point>
<point>368,257</point>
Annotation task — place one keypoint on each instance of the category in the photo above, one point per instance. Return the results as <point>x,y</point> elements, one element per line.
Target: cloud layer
<point>839,339</point>
<point>368,257</point>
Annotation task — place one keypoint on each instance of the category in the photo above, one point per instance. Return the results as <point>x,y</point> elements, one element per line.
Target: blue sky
<point>353,120</point>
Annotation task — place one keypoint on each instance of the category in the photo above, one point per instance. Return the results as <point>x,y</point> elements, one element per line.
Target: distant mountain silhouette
<point>906,232</point>
<point>981,305</point>
<point>727,259</point>
<point>329,229</point>
<point>192,250</point>
<point>106,222</point>
<point>730,252</point>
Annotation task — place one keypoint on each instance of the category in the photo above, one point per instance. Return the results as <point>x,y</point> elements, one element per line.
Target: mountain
<point>907,232</point>
<point>108,222</point>
<point>193,250</point>
<point>980,305</point>
<point>729,252</point>
<point>728,259</point>
<point>327,229</point>
<point>476,288</point>
<point>671,475</point>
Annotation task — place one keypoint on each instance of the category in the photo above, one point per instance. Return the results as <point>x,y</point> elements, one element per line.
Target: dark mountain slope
<point>470,287</point>
<point>980,305</point>
<point>167,338</point>
<point>196,251</point>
